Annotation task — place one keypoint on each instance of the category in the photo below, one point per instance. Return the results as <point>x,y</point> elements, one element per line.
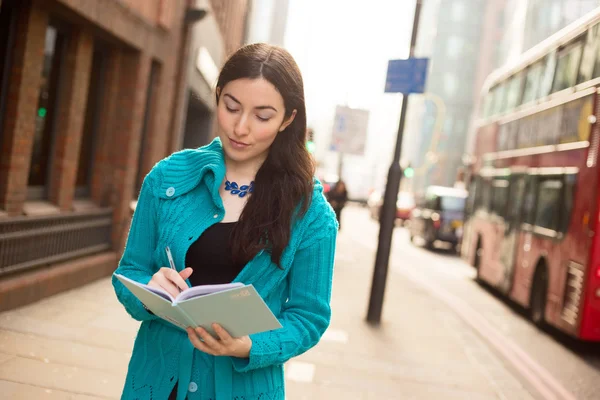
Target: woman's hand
<point>170,280</point>
<point>224,346</point>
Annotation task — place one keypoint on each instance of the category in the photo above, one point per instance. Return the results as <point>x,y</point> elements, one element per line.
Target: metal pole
<point>388,214</point>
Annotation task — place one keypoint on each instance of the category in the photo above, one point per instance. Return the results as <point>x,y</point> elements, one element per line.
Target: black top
<point>210,256</point>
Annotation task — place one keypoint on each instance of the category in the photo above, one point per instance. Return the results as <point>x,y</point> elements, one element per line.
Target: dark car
<point>439,216</point>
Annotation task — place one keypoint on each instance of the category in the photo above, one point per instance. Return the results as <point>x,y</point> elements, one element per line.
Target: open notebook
<point>236,307</point>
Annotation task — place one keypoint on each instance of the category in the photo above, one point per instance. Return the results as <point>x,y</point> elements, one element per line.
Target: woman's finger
<point>167,285</point>
<point>222,333</point>
<point>174,277</point>
<point>209,340</point>
<point>195,339</point>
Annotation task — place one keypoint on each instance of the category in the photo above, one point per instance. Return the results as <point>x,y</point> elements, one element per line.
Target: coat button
<point>170,191</point>
<point>193,387</point>
<point>216,216</point>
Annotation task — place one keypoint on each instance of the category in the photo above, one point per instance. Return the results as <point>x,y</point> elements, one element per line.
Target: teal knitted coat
<point>179,200</point>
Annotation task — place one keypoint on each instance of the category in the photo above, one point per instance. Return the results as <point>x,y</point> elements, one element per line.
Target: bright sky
<point>342,48</point>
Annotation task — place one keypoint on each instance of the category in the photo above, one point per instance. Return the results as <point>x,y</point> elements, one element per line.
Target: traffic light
<point>310,144</point>
<point>409,172</point>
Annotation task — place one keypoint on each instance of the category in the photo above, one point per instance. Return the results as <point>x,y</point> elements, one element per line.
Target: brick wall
<point>231,16</point>
<point>137,34</point>
<point>19,120</point>
<point>70,118</point>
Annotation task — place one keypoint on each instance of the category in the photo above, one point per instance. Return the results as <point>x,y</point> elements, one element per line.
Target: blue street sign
<point>406,76</point>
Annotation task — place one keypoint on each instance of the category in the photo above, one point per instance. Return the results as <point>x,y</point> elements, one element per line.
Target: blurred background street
<point>457,139</point>
<point>77,344</point>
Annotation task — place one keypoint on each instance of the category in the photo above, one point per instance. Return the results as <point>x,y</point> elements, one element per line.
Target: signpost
<point>349,133</point>
<point>404,76</point>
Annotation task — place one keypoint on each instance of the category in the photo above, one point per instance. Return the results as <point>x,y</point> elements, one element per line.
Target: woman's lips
<point>238,145</point>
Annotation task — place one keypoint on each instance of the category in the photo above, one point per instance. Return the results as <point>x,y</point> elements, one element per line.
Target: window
<point>548,75</point>
<point>533,82</point>
<point>148,112</point>
<point>529,201</point>
<point>499,99</point>
<point>432,202</point>
<point>588,59</point>
<point>483,195</point>
<point>93,113</point>
<point>567,67</point>
<point>513,95</point>
<point>46,112</point>
<point>8,25</point>
<point>548,204</point>
<point>450,84</point>
<point>455,46</point>
<point>516,200</point>
<point>452,203</point>
<point>458,11</point>
<point>473,195</point>
<point>569,199</point>
<point>499,196</point>
<point>487,104</point>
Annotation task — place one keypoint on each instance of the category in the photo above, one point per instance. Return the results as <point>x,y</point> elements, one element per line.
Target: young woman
<point>244,208</point>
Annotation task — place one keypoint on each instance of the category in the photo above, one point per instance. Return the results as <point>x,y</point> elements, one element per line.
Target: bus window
<point>513,96</point>
<point>500,197</point>
<point>473,196</point>
<point>529,201</point>
<point>499,103</point>
<point>486,195</point>
<point>532,82</point>
<point>570,181</point>
<point>548,75</point>
<point>588,59</point>
<point>487,104</point>
<point>567,67</point>
<point>548,203</point>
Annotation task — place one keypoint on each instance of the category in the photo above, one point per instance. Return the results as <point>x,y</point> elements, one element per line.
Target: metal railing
<point>29,242</point>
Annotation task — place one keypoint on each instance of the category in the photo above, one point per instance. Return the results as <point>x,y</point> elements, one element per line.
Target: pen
<point>170,257</point>
<point>171,262</point>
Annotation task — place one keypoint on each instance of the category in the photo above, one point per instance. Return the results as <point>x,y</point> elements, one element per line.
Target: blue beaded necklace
<point>238,190</point>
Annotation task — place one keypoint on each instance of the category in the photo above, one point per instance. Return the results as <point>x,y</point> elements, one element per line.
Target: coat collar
<point>182,171</point>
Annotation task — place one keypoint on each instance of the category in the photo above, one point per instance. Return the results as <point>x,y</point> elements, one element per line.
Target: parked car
<point>404,205</point>
<point>439,217</point>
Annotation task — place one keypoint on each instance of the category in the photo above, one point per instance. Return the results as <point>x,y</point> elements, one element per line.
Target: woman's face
<point>250,114</point>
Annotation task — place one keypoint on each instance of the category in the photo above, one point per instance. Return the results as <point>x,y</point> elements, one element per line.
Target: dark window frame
<point>36,192</point>
<point>495,185</point>
<point>566,52</point>
<point>565,209</point>
<point>11,8</point>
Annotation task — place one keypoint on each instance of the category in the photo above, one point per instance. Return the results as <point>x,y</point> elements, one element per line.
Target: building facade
<point>210,41</point>
<point>465,43</point>
<point>449,35</point>
<point>267,21</point>
<point>88,93</point>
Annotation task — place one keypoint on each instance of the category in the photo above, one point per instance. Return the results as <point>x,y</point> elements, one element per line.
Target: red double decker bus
<point>532,229</point>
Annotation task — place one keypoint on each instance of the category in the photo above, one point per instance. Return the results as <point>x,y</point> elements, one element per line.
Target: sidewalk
<point>76,346</point>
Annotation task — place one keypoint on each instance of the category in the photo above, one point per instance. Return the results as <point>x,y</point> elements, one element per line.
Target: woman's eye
<point>263,119</point>
<point>232,110</point>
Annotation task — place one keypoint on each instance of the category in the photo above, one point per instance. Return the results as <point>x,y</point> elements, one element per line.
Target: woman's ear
<point>287,122</point>
<point>218,92</point>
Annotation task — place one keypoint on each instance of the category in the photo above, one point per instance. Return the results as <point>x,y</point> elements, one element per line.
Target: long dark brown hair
<point>284,183</point>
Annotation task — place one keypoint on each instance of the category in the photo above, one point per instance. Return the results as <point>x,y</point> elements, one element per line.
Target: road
<point>558,366</point>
